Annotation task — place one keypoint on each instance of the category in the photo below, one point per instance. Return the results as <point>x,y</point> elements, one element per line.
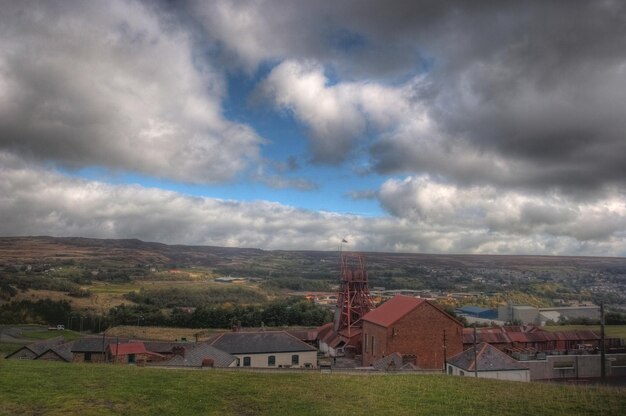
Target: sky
<point>482,127</point>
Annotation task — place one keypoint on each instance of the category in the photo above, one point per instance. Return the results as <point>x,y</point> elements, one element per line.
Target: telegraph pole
<point>445,355</point>
<point>602,347</point>
<point>475,355</point>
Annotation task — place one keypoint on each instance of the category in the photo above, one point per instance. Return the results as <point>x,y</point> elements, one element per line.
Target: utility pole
<point>602,352</point>
<point>445,355</point>
<point>475,355</point>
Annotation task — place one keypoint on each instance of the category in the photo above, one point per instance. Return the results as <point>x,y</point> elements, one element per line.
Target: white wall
<point>282,359</point>
<point>509,375</point>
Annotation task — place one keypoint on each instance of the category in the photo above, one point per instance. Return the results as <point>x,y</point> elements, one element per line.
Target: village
<point>405,334</point>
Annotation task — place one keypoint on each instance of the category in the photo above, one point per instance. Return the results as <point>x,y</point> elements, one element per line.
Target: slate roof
<point>393,362</point>
<point>40,346</point>
<point>259,342</point>
<point>94,344</point>
<point>63,351</point>
<point>196,353</point>
<point>489,358</point>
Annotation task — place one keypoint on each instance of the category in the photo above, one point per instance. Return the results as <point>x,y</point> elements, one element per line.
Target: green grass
<point>612,331</point>
<point>31,387</point>
<point>47,334</point>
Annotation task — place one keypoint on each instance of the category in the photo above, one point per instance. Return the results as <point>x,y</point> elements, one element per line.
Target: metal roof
<point>524,335</point>
<point>472,309</point>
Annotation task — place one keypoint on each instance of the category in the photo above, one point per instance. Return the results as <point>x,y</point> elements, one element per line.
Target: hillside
<point>31,387</point>
<point>132,251</point>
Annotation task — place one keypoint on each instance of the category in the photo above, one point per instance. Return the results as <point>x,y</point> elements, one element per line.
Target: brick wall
<point>418,333</point>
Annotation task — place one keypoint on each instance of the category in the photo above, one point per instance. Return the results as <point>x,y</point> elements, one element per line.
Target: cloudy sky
<point>417,126</point>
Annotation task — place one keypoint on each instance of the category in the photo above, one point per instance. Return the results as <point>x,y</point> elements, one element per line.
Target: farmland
<point>100,283</point>
<point>29,387</point>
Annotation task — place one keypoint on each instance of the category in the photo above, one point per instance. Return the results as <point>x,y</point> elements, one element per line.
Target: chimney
<point>179,350</point>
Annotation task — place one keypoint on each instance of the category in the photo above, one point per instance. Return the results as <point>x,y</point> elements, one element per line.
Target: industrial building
<point>419,330</point>
<point>525,314</point>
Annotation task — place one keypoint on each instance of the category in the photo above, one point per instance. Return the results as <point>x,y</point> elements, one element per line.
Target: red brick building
<point>415,329</point>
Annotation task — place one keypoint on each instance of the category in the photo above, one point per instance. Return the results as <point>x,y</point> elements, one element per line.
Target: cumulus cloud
<point>116,85</point>
<point>496,213</point>
<point>505,119</point>
<point>337,115</point>
<point>35,201</point>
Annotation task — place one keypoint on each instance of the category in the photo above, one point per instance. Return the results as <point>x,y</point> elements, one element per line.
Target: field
<point>29,387</point>
<point>611,331</point>
<point>161,333</point>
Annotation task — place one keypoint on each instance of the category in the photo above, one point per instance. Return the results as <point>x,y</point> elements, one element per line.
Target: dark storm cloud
<point>523,94</point>
<point>114,84</point>
<point>539,88</point>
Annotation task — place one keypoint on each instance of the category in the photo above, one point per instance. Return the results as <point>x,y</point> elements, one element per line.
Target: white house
<point>487,362</point>
<point>267,349</point>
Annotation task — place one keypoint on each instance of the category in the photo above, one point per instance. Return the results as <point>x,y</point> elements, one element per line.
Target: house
<point>267,349</point>
<point>32,351</point>
<point>62,352</point>
<point>416,328</point>
<point>130,353</point>
<point>92,349</point>
<point>201,355</point>
<point>165,348</point>
<point>394,362</point>
<point>487,362</point>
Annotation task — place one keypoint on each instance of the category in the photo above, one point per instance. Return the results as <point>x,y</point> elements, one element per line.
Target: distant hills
<point>283,262</point>
<point>71,264</point>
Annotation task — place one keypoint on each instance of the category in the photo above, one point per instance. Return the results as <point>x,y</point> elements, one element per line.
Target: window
<point>131,358</point>
<point>87,356</point>
<point>373,351</point>
<point>246,361</point>
<point>295,359</point>
<point>365,344</point>
<point>271,361</point>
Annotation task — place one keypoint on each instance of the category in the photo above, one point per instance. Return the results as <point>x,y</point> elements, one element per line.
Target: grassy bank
<point>28,387</point>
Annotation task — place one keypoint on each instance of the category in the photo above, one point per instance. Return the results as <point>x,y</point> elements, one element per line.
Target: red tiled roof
<point>128,348</point>
<point>488,335</point>
<point>392,310</point>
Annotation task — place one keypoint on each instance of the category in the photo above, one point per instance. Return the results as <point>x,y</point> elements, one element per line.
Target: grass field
<point>612,331</point>
<point>161,333</point>
<point>29,387</point>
